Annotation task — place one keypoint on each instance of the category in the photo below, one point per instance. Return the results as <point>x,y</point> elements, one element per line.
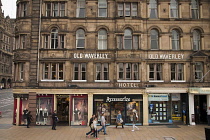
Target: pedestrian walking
<point>119,120</point>
<point>90,124</point>
<point>94,129</point>
<point>54,120</point>
<point>135,118</point>
<point>208,115</point>
<point>103,123</point>
<point>1,87</point>
<point>29,118</point>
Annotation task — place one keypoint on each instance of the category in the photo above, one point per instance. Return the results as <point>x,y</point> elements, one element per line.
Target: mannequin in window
<point>45,114</point>
<point>41,114</point>
<point>76,114</point>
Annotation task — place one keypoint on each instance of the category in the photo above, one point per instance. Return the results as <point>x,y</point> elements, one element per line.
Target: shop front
<point>159,108</point>
<point>111,104</point>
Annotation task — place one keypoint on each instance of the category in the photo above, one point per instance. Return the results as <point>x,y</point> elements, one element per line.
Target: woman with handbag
<point>119,120</point>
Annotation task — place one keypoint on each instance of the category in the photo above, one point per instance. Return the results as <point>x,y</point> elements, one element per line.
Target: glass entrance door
<point>63,109</point>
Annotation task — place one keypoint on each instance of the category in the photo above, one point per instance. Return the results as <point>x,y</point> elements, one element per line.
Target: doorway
<point>200,107</point>
<point>63,109</point>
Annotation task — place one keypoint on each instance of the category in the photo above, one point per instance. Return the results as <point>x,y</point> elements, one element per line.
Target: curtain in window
<point>153,8</point>
<point>175,40</point>
<point>154,39</point>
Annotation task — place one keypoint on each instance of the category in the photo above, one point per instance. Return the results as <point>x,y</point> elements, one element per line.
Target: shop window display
<point>129,112</point>
<point>24,110</point>
<point>80,111</point>
<point>44,111</point>
<point>103,108</point>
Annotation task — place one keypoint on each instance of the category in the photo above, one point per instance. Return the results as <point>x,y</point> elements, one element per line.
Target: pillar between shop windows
<point>145,109</point>
<point>18,112</point>
<point>90,106</point>
<point>32,106</point>
<point>191,109</point>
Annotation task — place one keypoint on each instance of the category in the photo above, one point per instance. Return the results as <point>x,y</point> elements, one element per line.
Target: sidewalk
<point>160,132</point>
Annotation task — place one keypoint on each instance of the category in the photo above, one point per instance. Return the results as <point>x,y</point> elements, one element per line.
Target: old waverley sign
<point>90,55</point>
<point>166,56</point>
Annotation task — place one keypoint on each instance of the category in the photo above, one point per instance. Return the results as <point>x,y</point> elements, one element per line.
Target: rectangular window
<point>155,72</point>
<point>102,71</point>
<point>198,72</point>
<point>153,9</point>
<point>127,9</point>
<point>48,9</point>
<point>81,8</point>
<point>79,71</point>
<point>62,9</point>
<point>194,10</point>
<point>128,71</point>
<point>177,72</point>
<point>55,9</point>
<point>62,41</point>
<point>46,41</point>
<point>22,9</point>
<point>21,70</point>
<point>174,10</point>
<point>53,71</point>
<point>102,8</point>
<point>23,41</point>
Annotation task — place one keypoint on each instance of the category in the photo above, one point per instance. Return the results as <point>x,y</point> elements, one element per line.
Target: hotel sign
<point>128,85</point>
<point>166,56</point>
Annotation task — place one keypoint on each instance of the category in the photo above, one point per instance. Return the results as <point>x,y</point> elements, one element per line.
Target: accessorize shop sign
<point>158,97</point>
<point>166,56</point>
<point>90,55</point>
<point>124,99</point>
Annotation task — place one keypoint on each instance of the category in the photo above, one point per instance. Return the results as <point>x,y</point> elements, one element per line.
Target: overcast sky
<point>9,8</point>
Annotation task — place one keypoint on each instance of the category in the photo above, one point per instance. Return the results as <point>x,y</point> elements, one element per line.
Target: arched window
<point>196,40</point>
<point>54,38</point>
<point>128,39</point>
<point>102,39</point>
<point>153,9</point>
<point>80,38</point>
<point>154,36</point>
<point>194,9</point>
<point>175,40</point>
<point>174,9</point>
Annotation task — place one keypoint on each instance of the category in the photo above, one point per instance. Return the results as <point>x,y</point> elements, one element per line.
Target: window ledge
<point>102,80</point>
<point>79,80</point>
<point>128,81</point>
<point>156,81</point>
<point>52,80</point>
<point>178,81</point>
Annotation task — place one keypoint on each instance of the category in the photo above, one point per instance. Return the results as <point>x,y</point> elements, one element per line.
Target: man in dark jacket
<point>90,122</point>
<point>29,118</point>
<point>54,119</point>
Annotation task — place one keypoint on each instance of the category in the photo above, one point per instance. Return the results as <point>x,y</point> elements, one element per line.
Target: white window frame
<point>196,40</point>
<point>175,40</point>
<point>102,6</point>
<point>81,7</point>
<point>177,72</point>
<point>174,9</point>
<point>102,39</point>
<point>80,36</point>
<point>153,9</point>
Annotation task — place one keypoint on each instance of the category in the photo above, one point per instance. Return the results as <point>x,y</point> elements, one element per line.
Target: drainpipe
<point>39,42</point>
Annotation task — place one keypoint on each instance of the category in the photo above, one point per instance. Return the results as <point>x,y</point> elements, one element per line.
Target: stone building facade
<point>6,47</point>
<point>81,57</point>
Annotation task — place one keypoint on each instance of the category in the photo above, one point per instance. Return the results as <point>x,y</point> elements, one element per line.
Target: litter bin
<point>207,133</point>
